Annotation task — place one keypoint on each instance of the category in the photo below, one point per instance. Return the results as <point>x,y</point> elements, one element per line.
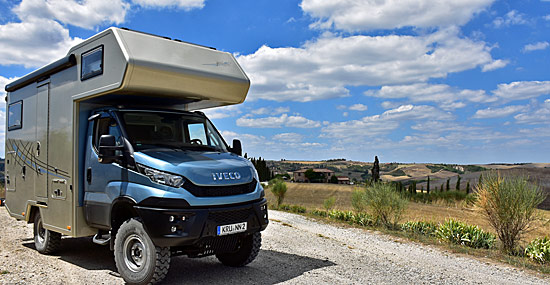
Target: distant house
<point>324,174</point>
<point>343,180</point>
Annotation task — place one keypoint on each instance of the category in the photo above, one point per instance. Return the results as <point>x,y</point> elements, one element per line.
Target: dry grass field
<point>312,195</point>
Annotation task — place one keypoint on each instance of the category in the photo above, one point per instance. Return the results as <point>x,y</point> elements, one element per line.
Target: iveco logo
<point>226,176</point>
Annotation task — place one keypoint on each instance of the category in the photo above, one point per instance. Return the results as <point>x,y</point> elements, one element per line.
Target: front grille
<point>232,216</point>
<point>219,244</point>
<point>217,191</point>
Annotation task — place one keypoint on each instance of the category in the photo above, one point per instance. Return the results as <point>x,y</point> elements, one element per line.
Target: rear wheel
<point>45,241</point>
<point>249,248</point>
<point>137,259</point>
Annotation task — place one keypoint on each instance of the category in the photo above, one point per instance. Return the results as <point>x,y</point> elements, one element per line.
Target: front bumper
<point>195,223</point>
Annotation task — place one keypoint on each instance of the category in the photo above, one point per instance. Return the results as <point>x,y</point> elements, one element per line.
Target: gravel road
<point>296,250</point>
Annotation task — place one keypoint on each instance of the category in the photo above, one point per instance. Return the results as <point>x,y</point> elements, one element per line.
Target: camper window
<point>15,114</point>
<point>92,63</point>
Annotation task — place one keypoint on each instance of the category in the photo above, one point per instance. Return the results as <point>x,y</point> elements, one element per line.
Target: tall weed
<point>469,235</point>
<point>539,250</point>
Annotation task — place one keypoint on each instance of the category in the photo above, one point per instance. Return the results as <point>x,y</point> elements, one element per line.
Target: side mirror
<point>237,148</point>
<point>108,148</point>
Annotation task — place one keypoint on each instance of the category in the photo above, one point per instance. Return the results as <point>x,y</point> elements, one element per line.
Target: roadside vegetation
<point>498,219</point>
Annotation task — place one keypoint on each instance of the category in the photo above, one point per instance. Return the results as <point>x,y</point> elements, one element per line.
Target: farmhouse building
<point>343,180</point>
<point>323,174</point>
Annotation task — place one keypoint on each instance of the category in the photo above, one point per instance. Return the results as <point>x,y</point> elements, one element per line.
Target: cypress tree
<point>468,187</point>
<point>428,187</point>
<point>458,183</point>
<point>448,185</point>
<point>441,190</point>
<point>376,170</point>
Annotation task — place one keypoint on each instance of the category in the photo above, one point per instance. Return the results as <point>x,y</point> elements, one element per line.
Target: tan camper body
<point>48,112</point>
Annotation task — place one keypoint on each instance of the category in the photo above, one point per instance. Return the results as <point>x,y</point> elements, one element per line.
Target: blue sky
<point>465,81</point>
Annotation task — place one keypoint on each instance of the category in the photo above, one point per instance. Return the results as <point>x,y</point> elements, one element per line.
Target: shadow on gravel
<point>84,253</point>
<point>270,266</point>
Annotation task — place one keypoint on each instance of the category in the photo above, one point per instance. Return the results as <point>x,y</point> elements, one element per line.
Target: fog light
<point>171,219</point>
<point>173,229</point>
<point>183,218</point>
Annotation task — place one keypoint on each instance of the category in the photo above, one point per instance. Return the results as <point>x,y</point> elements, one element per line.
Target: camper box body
<point>51,114</point>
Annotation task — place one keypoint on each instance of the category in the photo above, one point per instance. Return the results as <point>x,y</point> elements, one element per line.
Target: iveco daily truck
<point>107,142</point>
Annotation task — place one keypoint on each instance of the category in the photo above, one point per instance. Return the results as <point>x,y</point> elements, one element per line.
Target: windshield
<point>147,130</point>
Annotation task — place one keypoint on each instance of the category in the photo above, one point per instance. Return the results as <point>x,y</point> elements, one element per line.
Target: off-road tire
<point>137,259</point>
<point>45,241</point>
<point>247,252</point>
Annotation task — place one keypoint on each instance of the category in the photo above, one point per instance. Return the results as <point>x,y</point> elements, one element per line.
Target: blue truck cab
<point>109,142</point>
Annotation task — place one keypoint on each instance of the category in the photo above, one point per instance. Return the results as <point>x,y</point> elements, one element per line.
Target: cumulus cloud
<point>540,115</point>
<point>85,14</point>
<point>358,107</point>
<point>495,64</point>
<point>24,43</point>
<point>288,137</point>
<point>270,111</point>
<point>322,68</point>
<point>511,18</point>
<point>182,4</point>
<point>521,90</point>
<point>382,124</point>
<point>498,112</point>
<point>277,122</point>
<point>536,46</point>
<point>223,112</point>
<point>448,97</point>
<point>361,15</point>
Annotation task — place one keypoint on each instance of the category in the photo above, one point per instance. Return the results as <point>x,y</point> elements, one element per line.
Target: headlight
<point>161,177</point>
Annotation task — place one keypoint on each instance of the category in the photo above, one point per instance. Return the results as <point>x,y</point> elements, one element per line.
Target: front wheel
<point>137,259</point>
<point>248,250</point>
<point>45,241</point>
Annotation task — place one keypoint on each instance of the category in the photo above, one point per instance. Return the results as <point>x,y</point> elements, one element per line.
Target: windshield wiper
<point>198,146</point>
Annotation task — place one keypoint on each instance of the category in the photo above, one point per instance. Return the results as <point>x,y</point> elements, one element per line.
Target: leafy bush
<point>362,219</point>
<point>357,201</point>
<point>539,250</point>
<point>329,203</point>
<point>293,208</point>
<point>509,204</point>
<point>319,213</point>
<point>449,197</point>
<point>420,227</point>
<point>278,188</point>
<point>468,235</point>
<point>385,204</point>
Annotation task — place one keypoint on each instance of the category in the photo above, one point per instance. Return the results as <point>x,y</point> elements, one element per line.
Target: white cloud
<point>511,18</point>
<point>270,111</point>
<point>3,82</point>
<point>547,17</point>
<point>446,96</point>
<point>223,112</point>
<point>498,112</point>
<point>288,137</point>
<point>182,4</point>
<point>358,107</point>
<point>439,127</point>
<point>277,122</point>
<point>34,43</point>
<point>85,14</point>
<point>322,68</point>
<point>539,115</point>
<point>520,90</point>
<point>360,15</point>
<point>536,46</point>
<point>381,124</point>
<point>495,64</point>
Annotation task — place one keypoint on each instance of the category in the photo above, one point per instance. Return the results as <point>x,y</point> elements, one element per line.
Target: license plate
<point>231,229</point>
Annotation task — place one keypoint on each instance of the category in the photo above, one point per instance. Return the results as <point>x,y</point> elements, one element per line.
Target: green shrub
<point>420,227</point>
<point>329,203</point>
<point>539,250</point>
<point>346,216</point>
<point>319,213</point>
<point>278,188</point>
<point>509,204</point>
<point>385,204</point>
<point>358,201</point>
<point>469,235</point>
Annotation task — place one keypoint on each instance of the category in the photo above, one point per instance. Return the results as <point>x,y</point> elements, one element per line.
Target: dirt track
<point>295,250</point>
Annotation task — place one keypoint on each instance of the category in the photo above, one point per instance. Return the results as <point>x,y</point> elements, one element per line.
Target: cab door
<point>103,182</point>
<point>40,146</point>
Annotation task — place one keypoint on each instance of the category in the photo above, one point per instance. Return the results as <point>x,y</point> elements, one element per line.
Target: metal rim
<point>41,232</point>
<point>135,253</point>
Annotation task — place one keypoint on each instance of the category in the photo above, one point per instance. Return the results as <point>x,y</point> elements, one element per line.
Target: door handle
<point>37,148</point>
<point>89,175</point>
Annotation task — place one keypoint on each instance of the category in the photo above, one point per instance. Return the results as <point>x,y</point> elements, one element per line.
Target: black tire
<point>45,241</point>
<point>137,259</point>
<point>247,252</point>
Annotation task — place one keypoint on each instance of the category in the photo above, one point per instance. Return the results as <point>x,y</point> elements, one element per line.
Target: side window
<point>15,115</point>
<point>92,63</point>
<point>106,126</point>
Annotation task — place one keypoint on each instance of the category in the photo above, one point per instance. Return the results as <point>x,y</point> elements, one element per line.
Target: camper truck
<point>108,142</point>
